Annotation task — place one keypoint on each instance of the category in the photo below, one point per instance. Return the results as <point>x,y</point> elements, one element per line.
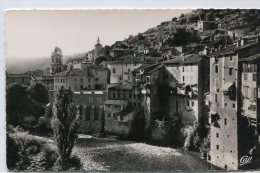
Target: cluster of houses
<point>219,86</point>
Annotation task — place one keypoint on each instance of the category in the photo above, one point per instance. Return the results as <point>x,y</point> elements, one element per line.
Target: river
<point>102,154</point>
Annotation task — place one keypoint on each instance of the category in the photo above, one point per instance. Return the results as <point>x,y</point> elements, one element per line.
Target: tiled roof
<point>126,60</point>
<point>186,59</point>
<point>154,69</point>
<point>144,67</point>
<point>232,49</point>
<point>72,72</point>
<point>252,58</point>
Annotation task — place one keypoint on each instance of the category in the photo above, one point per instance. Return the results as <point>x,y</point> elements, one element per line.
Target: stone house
<point>75,79</point>
<point>120,69</point>
<point>230,112</point>
<point>187,97</point>
<point>122,100</point>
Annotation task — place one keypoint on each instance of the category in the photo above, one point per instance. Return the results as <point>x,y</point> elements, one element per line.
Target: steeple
<point>98,40</point>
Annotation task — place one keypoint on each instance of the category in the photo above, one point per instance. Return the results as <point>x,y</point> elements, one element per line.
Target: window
<point>109,115</point>
<point>234,105</point>
<point>128,77</point>
<point>75,80</point>
<point>225,104</point>
<point>114,70</point>
<point>192,103</point>
<point>129,70</point>
<point>245,76</point>
<point>216,68</point>
<point>183,78</point>
<point>254,77</point>
<point>225,121</point>
<point>227,136</point>
<point>89,86</point>
<point>81,80</point>
<point>216,98</point>
<point>217,135</point>
<point>96,79</point>
<point>253,92</point>
<point>188,103</point>
<point>217,147</point>
<point>87,113</point>
<point>231,58</point>
<point>183,69</point>
<point>231,71</point>
<point>89,80</point>
<point>231,151</point>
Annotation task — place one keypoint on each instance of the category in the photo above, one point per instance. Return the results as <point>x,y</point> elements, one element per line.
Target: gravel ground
<point>99,154</point>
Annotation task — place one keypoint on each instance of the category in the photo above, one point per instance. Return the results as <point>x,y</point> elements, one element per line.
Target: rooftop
<point>233,49</point>
<point>72,72</point>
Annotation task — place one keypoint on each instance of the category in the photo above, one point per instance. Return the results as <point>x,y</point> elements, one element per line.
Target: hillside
<point>179,31</point>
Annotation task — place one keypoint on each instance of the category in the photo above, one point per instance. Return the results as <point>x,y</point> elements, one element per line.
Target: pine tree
<point>65,122</point>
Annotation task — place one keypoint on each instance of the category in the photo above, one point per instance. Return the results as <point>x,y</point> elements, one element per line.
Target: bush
<point>26,152</point>
<point>39,93</point>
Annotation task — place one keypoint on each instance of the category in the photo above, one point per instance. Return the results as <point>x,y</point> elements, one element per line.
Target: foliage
<point>65,122</point>
<point>28,152</point>
<point>39,93</point>
<point>19,104</point>
<point>137,130</point>
<point>16,102</point>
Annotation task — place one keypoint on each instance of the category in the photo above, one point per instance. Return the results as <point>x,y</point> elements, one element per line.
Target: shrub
<point>39,93</point>
<point>65,122</point>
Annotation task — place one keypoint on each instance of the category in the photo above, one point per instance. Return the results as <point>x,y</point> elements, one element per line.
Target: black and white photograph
<point>132,89</point>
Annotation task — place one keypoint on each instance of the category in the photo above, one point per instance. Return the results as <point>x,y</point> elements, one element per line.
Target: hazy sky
<point>35,33</point>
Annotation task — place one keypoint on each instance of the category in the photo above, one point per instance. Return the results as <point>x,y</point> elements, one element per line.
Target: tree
<point>16,102</point>
<point>39,93</point>
<point>65,122</point>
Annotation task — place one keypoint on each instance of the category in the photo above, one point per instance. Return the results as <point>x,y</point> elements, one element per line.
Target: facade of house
<point>206,25</point>
<point>83,76</point>
<point>74,79</point>
<point>229,92</point>
<point>120,70</point>
<point>187,97</point>
<point>122,100</point>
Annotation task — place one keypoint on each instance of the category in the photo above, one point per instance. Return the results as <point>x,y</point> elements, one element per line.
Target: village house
<point>153,81</point>
<point>74,79</point>
<point>233,110</point>
<point>120,69</point>
<point>187,98</point>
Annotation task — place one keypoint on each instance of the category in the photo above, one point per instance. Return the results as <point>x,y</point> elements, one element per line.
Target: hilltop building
<point>234,111</point>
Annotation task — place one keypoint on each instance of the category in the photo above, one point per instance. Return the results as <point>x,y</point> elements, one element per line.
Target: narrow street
<point>115,155</point>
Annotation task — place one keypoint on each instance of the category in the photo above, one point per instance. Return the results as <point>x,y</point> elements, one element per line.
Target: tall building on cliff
<point>56,61</point>
<point>234,110</point>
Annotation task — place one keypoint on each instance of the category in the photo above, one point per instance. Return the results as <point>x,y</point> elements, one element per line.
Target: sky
<point>35,33</point>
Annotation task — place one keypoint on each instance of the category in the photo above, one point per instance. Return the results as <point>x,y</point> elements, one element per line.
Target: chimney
<point>206,50</point>
<point>238,42</point>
